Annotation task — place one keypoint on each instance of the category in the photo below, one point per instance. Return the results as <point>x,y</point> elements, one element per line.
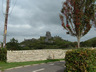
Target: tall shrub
<point>3,54</point>
<point>80,60</point>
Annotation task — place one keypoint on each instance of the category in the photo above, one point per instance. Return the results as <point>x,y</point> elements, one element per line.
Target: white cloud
<point>25,26</point>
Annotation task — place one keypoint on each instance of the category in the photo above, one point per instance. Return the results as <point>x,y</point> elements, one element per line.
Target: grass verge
<point>4,65</point>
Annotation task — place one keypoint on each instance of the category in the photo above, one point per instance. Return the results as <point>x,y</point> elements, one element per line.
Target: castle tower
<point>48,35</point>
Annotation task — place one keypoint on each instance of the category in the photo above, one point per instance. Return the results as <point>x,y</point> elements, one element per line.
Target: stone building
<point>33,39</point>
<point>48,37</point>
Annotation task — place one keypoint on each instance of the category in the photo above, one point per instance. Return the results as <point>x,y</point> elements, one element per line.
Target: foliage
<point>89,43</point>
<point>13,45</point>
<point>3,54</point>
<point>58,43</point>
<point>80,60</point>
<point>79,15</point>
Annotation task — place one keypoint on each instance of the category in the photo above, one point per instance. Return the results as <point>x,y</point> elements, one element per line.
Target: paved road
<point>49,67</point>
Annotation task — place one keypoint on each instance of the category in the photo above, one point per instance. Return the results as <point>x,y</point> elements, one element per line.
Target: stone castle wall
<point>35,55</point>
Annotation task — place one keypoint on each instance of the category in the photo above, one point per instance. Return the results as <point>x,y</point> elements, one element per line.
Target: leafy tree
<point>13,40</point>
<point>77,17</point>
<point>13,44</point>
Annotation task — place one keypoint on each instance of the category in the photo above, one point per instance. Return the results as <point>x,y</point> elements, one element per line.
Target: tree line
<point>58,43</point>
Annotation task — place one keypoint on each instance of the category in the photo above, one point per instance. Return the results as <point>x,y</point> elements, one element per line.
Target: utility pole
<point>5,25</point>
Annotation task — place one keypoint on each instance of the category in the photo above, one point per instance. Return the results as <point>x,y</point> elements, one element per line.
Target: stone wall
<point>35,55</point>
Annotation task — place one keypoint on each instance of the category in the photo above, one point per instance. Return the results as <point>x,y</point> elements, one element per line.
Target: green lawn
<point>4,65</point>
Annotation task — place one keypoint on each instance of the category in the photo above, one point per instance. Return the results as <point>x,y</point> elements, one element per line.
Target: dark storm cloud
<point>32,11</point>
<point>48,11</point>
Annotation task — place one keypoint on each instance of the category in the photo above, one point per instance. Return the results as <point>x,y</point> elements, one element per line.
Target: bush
<point>80,60</point>
<point>3,54</point>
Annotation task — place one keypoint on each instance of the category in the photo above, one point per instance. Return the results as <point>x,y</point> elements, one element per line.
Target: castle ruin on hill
<point>47,38</point>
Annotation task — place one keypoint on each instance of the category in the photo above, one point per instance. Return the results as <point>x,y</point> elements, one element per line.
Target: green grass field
<point>4,65</point>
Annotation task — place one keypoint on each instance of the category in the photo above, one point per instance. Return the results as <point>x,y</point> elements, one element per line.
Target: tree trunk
<point>78,41</point>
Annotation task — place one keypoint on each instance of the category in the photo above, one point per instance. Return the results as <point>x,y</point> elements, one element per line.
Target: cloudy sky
<point>32,18</point>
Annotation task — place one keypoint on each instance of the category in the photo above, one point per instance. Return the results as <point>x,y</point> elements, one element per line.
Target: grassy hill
<point>89,43</point>
<point>53,43</point>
